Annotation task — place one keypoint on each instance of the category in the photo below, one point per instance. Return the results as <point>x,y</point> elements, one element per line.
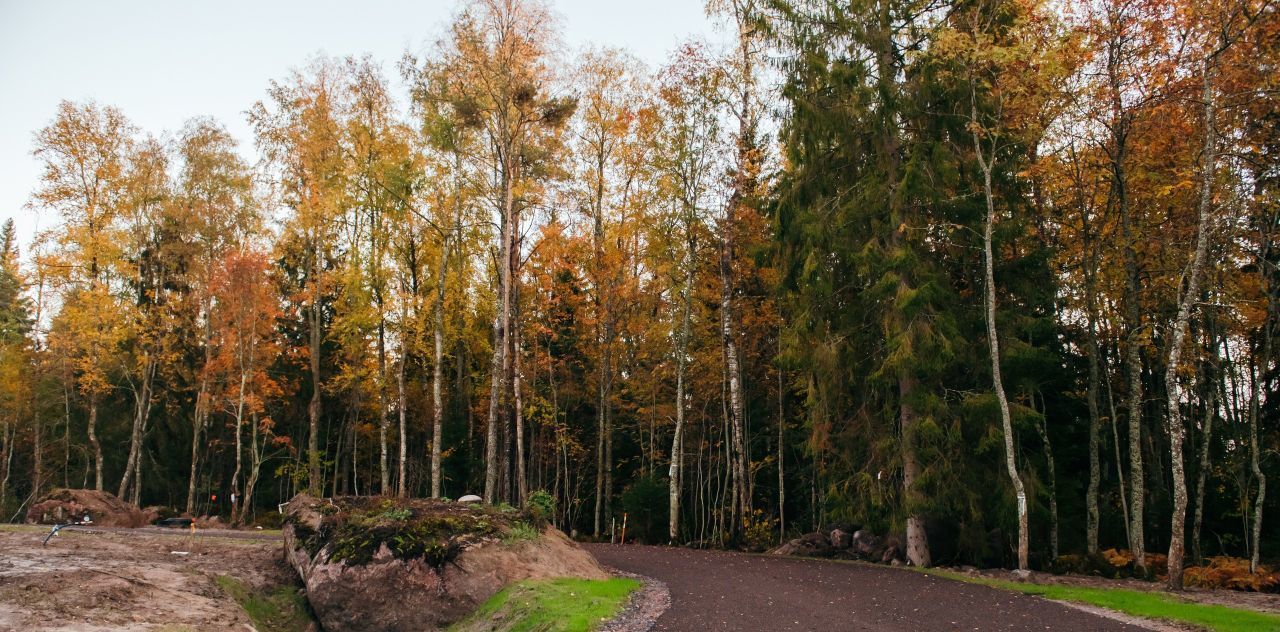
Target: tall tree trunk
<point>522,484</point>
<point>997,380</point>
<point>1115,442</point>
<point>1052,471</point>
<point>1210,411</point>
<point>199,420</point>
<point>93,441</point>
<point>1095,427</point>
<point>315,483</point>
<point>1260,500</point>
<point>501,330</point>
<point>782,450</point>
<point>1180,326</point>
<point>37,455</point>
<point>1119,127</point>
<point>6,454</point>
<point>384,421</point>
<point>142,408</point>
<point>917,537</point>
<point>1094,388</point>
<point>675,474</point>
<point>738,461</point>
<point>402,483</point>
<point>255,468</point>
<point>437,397</point>
<point>236,496</point>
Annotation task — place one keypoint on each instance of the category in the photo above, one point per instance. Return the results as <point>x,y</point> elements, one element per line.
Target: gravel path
<point>723,591</point>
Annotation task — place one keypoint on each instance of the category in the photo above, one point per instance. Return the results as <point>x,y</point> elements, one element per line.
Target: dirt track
<point>720,591</point>
<point>98,579</point>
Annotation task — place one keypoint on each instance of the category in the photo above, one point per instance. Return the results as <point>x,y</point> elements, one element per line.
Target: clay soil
<point>91,580</point>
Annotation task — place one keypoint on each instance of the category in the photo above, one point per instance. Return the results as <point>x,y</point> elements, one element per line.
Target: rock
<point>808,545</point>
<point>470,498</point>
<point>455,559</point>
<point>1020,575</point>
<point>893,550</point>
<point>61,506</point>
<point>867,544</point>
<point>841,539</point>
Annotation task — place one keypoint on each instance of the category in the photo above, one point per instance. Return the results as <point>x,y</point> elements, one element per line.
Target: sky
<point>164,61</point>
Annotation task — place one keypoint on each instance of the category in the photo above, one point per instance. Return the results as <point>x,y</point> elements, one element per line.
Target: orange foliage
<point>1233,573</point>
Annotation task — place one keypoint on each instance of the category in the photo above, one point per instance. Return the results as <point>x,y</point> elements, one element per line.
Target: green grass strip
<point>559,605</point>
<point>1139,603</point>
<point>281,610</point>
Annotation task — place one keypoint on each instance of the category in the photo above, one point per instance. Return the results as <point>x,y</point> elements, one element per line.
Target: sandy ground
<point>130,579</point>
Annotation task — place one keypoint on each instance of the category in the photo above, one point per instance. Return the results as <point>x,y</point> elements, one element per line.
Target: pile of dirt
<point>103,509</point>
<point>401,564</point>
<point>97,579</point>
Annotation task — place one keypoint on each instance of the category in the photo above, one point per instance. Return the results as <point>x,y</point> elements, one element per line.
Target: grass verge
<point>560,605</point>
<point>281,610</point>
<point>1148,605</point>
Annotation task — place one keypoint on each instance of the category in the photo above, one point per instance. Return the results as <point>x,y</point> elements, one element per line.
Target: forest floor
<point>92,580</point>
<point>1244,600</point>
<point>717,590</point>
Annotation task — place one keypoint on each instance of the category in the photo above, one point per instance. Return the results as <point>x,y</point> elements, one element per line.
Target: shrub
<point>541,505</point>
<point>1233,573</point>
<point>645,501</point>
<point>759,531</point>
<point>520,531</point>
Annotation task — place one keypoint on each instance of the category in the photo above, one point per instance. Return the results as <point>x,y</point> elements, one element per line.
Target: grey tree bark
<point>993,338</point>
<point>1174,424</point>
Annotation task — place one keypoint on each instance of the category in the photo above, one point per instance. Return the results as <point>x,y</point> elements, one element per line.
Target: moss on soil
<point>282,609</point>
<point>1150,605</point>
<point>563,605</point>
<point>353,529</point>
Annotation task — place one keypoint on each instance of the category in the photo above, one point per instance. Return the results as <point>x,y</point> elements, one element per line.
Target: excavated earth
<point>97,579</point>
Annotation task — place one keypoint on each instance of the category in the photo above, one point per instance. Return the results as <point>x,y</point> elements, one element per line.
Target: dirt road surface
<point>722,591</point>
<point>91,580</point>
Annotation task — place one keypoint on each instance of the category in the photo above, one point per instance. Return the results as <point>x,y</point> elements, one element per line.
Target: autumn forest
<point>997,275</point>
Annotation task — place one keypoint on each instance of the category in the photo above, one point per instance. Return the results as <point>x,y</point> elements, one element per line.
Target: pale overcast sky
<point>163,62</point>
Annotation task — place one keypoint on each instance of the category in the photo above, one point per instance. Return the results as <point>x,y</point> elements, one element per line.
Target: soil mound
<point>402,564</point>
<point>74,505</point>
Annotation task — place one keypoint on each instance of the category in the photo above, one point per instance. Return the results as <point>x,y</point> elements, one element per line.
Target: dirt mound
<point>73,505</point>
<point>399,564</point>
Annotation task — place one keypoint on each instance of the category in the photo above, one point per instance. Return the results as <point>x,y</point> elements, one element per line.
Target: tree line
<point>997,274</point>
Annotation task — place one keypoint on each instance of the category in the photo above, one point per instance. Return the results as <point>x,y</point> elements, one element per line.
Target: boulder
<point>893,550</point>
<point>841,539</point>
<point>103,509</point>
<point>470,498</point>
<point>399,565</point>
<point>867,545</point>
<point>808,545</point>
